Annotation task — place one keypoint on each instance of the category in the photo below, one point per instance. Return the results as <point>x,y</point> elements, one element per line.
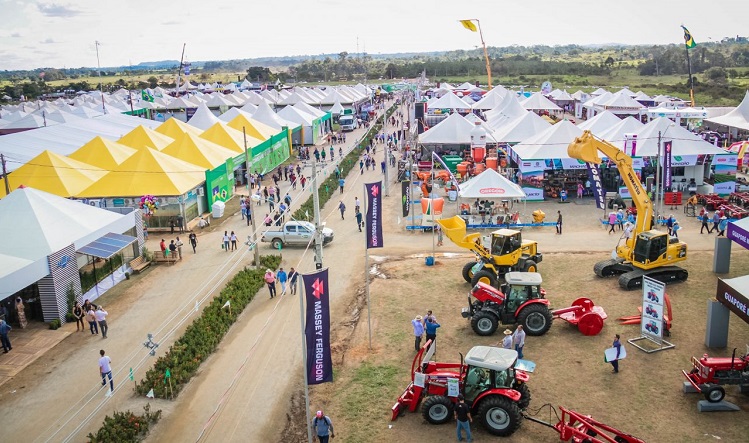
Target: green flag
<point>167,375</point>
<point>132,377</point>
<point>688,39</point>
<point>146,96</point>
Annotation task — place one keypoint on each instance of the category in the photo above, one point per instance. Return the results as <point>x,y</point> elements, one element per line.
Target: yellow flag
<point>468,24</point>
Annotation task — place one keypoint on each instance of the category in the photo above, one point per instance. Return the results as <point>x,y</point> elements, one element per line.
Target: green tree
<point>153,82</point>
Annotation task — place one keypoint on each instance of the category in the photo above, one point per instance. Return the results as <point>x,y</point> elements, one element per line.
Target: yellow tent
<point>230,138</point>
<point>102,153</point>
<point>199,151</point>
<point>147,172</point>
<point>253,127</point>
<point>142,137</point>
<point>54,173</point>
<point>174,128</point>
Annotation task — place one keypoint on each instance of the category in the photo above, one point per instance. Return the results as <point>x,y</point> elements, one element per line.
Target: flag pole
<point>691,78</point>
<point>486,54</point>
<point>304,358</point>
<point>366,272</point>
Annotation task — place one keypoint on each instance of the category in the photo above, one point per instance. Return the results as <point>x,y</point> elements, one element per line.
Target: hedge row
<point>329,186</point>
<point>125,426</point>
<point>205,333</point>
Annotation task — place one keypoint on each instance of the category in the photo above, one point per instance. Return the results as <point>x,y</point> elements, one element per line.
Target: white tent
<point>336,109</point>
<point>622,102</point>
<point>311,110</point>
<point>629,125</point>
<point>218,100</point>
<point>600,122</point>
<point>537,102</point>
<point>454,130</point>
<point>299,117</point>
<point>738,118</point>
<point>549,144</point>
<point>449,101</point>
<point>203,118</point>
<point>264,114</point>
<point>490,184</point>
<point>292,99</point>
<point>684,141</point>
<point>599,91</point>
<point>333,96</point>
<point>491,99</point>
<point>521,128</point>
<point>509,109</point>
<point>232,113</point>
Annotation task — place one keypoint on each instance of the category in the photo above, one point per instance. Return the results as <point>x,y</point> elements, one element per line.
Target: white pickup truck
<point>295,233</point>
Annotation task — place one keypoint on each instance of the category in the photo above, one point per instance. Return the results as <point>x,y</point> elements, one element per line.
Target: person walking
<point>193,241</point>
<point>101,318</point>
<point>270,280</point>
<point>704,220</point>
<point>675,229</point>
<point>179,245</point>
<point>226,241</point>
<point>105,369</point>
<point>359,220</point>
<point>518,339</point>
<point>162,245</point>
<point>507,341</point>
<point>559,223</point>
<point>342,208</point>
<point>440,235</point>
<point>722,226</point>
<point>716,222</point>
<point>4,329</point>
<point>418,331</point>
<point>322,427</point>
<point>357,204</point>
<point>91,318</point>
<point>580,190</point>
<point>341,182</point>
<point>293,277</point>
<point>615,362</point>
<point>463,417</point>
<point>431,330</point>
<point>670,224</point>
<point>283,277</point>
<point>612,221</point>
<point>78,314</point>
<point>233,238</point>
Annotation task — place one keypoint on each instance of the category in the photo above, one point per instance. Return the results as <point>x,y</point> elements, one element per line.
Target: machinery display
<point>648,251</point>
<point>521,300</point>
<point>487,378</point>
<point>709,374</point>
<point>578,428</point>
<point>501,252</point>
<point>667,316</point>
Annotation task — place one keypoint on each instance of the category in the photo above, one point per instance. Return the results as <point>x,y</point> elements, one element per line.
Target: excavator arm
<point>586,148</point>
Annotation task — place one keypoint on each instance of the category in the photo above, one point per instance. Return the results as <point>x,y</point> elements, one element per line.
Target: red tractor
<point>708,374</point>
<point>521,300</point>
<point>495,390</point>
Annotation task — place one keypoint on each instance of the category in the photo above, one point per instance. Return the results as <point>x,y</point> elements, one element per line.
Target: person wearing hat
<point>322,426</point>
<point>418,331</point>
<point>675,229</point>
<point>722,226</point>
<point>507,341</point>
<point>270,279</point>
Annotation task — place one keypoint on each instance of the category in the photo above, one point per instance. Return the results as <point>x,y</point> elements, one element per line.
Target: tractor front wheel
<point>468,271</point>
<point>715,394</point>
<point>536,319</point>
<point>484,323</point>
<point>486,276</point>
<point>437,409</point>
<point>499,415</point>
<point>530,266</point>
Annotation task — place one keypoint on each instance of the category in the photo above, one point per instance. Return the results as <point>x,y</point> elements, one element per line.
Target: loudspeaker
<point>420,111</point>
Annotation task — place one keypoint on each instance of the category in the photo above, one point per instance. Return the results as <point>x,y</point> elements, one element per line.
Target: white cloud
<point>57,10</point>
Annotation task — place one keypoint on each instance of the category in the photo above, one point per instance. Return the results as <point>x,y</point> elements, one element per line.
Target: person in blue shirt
<point>322,427</point>
<point>615,362</point>
<point>418,331</point>
<point>282,278</point>
<point>722,225</point>
<point>341,182</point>
<point>431,326</point>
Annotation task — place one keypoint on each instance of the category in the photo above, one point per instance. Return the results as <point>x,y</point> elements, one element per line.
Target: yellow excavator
<point>648,252</point>
<point>502,252</point>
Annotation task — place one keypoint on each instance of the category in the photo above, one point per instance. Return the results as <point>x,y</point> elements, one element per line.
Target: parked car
<point>295,233</point>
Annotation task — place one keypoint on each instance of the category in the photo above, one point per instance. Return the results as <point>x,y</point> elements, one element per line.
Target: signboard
<point>594,175</point>
<point>738,234</point>
<point>317,328</point>
<point>667,146</point>
<point>725,173</point>
<point>734,300</point>
<point>406,197</point>
<point>653,299</point>
<point>373,217</point>
<point>453,387</point>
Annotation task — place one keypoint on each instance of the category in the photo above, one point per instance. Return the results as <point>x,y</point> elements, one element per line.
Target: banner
<point>653,300</point>
<point>317,328</point>
<point>373,220</point>
<point>667,164</point>
<point>725,173</point>
<point>594,175</point>
<point>406,197</point>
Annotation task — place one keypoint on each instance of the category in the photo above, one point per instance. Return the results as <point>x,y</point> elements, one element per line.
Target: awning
<point>107,246</point>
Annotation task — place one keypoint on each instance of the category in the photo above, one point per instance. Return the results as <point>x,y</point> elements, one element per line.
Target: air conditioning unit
<point>201,191</point>
<point>128,202</point>
<point>95,203</point>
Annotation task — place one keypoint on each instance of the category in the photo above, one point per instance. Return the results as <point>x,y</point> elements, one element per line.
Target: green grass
<point>369,382</point>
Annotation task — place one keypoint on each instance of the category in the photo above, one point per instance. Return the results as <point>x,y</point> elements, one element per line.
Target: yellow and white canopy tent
<point>174,128</point>
<point>142,137</point>
<point>199,151</point>
<point>253,127</point>
<point>102,153</point>
<point>229,138</point>
<point>55,174</point>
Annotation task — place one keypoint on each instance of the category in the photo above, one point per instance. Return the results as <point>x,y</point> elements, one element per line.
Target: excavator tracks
<point>666,274</point>
<point>607,268</point>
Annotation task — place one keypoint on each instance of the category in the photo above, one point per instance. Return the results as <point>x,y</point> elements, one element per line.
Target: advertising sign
<point>218,185</point>
<point>599,194</point>
<point>653,299</point>
<point>725,173</point>
<point>733,299</point>
<point>667,146</point>
<point>317,328</point>
<point>373,217</point>
<point>406,197</point>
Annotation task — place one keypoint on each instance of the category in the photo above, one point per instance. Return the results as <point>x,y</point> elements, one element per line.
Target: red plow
<point>637,319</point>
<point>578,428</point>
<point>584,314</point>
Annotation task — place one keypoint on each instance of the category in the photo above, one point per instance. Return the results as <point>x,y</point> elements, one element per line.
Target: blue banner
<point>594,175</point>
<point>667,164</point>
<point>317,328</point>
<point>373,220</point>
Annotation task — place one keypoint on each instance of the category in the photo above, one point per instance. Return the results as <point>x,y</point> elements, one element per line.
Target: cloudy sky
<point>61,33</point>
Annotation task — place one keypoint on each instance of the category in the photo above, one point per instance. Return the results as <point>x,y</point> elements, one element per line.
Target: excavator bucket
<point>455,229</point>
<point>584,149</point>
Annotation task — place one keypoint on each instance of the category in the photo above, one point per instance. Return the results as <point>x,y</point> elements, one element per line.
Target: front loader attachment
<point>583,148</point>
<point>455,229</point>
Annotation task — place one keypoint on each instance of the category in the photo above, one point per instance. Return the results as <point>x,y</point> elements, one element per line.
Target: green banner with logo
<point>271,153</point>
<point>219,183</point>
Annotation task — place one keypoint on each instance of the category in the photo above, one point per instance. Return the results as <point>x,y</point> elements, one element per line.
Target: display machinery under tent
<point>44,237</point>
<point>490,184</point>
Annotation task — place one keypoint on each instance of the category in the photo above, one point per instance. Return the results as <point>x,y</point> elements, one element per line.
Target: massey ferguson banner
<point>317,329</point>
<point>667,145</point>
<point>374,214</point>
<point>406,197</point>
<point>594,175</point>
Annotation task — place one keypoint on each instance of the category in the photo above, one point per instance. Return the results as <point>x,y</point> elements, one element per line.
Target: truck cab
<point>347,122</point>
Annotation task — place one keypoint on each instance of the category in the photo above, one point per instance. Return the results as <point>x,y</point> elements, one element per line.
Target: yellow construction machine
<point>501,252</point>
<point>648,252</point>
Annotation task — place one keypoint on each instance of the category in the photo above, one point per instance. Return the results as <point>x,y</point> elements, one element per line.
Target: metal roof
<point>107,246</point>
<point>497,359</point>
<point>523,278</point>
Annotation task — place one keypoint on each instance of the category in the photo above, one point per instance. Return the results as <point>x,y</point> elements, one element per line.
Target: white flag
<point>196,305</point>
<point>226,305</point>
<point>150,394</point>
<point>399,219</point>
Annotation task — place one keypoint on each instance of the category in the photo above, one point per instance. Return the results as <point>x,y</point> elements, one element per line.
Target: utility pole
<point>249,206</point>
<point>657,180</point>
<point>316,207</point>
<point>179,69</point>
<point>5,174</point>
<point>101,84</point>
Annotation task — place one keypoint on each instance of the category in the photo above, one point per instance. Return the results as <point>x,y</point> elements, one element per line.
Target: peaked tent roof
<point>622,100</point>
<point>102,153</point>
<point>333,96</point>
<point>297,115</point>
<point>537,102</point>
<point>521,128</point>
<point>509,109</point>
<point>490,184</point>
<point>230,138</point>
<point>217,100</point>
<point>203,118</point>
<point>232,113</point>
<point>454,130</point>
<point>142,137</point>
<point>174,128</point>
<point>600,122</point>
<point>685,142</point>
<point>336,109</point>
<point>311,110</point>
<point>449,101</point>
<point>253,127</point>
<point>148,172</point>
<point>629,125</point>
<point>292,99</point>
<point>599,91</point>
<point>199,151</point>
<point>738,118</point>
<point>54,173</point>
<point>551,143</point>
<point>264,114</point>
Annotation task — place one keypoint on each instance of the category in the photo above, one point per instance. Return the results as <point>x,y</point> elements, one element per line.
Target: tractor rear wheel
<point>530,266</point>
<point>714,393</point>
<point>484,323</point>
<point>485,276</point>
<point>468,271</point>
<point>536,319</point>
<point>437,409</point>
<point>499,415</point>
<point>525,396</point>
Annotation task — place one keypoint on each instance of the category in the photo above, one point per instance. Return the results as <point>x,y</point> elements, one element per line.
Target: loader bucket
<point>455,229</point>
<point>584,148</point>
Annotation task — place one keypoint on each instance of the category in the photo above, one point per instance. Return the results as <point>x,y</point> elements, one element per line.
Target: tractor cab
<point>654,248</point>
<point>505,242</point>
<point>490,368</point>
<point>519,287</point>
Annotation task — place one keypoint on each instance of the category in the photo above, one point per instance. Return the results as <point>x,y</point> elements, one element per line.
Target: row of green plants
<point>205,333</point>
<point>125,427</point>
<point>329,186</point>
<point>89,279</point>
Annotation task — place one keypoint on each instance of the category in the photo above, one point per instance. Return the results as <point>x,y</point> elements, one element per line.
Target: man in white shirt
<point>105,368</point>
<point>518,338</point>
<point>101,318</point>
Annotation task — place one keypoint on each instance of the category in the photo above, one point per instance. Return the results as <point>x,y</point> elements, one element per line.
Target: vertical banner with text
<point>406,197</point>
<point>374,214</point>
<point>594,175</point>
<point>667,146</point>
<point>653,301</point>
<point>317,328</point>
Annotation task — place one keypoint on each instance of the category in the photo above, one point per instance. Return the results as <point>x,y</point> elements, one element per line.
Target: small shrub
<point>54,324</point>
<point>125,426</point>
